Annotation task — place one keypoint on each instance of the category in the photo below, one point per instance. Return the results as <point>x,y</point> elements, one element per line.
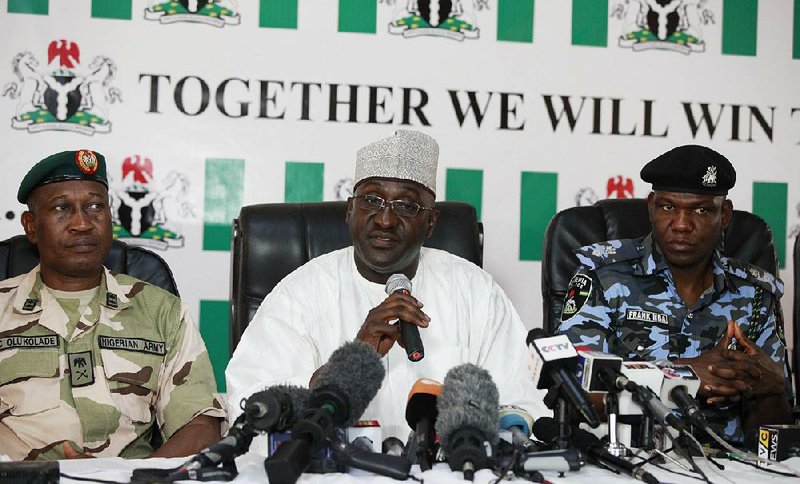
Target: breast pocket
<point>30,381</point>
<point>132,381</point>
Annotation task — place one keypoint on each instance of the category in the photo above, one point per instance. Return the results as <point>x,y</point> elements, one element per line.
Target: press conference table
<point>252,470</point>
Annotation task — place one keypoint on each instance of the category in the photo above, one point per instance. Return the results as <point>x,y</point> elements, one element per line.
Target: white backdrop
<point>204,166</point>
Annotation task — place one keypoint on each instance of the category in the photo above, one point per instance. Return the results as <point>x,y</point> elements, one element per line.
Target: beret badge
<point>710,178</point>
<point>86,161</point>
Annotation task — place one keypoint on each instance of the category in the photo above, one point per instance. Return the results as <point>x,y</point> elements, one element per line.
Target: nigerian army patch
<point>578,292</point>
<point>81,369</point>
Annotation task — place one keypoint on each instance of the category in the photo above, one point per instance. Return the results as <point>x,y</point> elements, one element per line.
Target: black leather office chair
<point>796,327</point>
<point>747,238</point>
<point>18,256</point>
<point>272,240</point>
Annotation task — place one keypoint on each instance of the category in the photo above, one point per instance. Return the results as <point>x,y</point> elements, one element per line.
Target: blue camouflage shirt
<point>623,300</point>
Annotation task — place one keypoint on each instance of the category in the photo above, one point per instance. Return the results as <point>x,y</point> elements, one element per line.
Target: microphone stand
<point>612,411</point>
<point>561,409</point>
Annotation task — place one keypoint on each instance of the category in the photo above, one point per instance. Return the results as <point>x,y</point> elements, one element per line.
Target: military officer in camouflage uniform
<point>673,296</point>
<point>94,363</point>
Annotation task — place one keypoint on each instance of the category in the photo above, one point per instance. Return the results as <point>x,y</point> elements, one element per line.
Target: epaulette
<point>753,274</point>
<point>604,253</point>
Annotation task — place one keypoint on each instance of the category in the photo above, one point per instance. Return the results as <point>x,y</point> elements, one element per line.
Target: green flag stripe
<point>303,182</point>
<point>358,16</point>
<point>223,200</point>
<point>214,330</point>
<point>796,35</point>
<point>739,27</point>
<point>118,9</point>
<point>465,186</point>
<point>38,7</point>
<point>770,202</point>
<point>537,207</point>
<point>515,20</point>
<point>278,14</point>
<point>590,22</point>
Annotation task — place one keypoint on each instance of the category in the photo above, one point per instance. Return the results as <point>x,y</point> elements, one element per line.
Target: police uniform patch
<point>81,369</point>
<point>578,292</point>
<point>646,316</point>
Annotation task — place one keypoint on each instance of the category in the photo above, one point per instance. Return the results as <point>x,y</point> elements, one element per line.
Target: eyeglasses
<point>401,208</point>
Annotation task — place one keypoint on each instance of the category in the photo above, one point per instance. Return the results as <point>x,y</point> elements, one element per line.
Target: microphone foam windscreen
<point>356,370</point>
<point>469,398</point>
<point>297,399</point>
<point>583,440</point>
<point>398,281</point>
<point>545,429</point>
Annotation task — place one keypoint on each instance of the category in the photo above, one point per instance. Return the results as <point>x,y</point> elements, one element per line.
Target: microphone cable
<point>742,455</point>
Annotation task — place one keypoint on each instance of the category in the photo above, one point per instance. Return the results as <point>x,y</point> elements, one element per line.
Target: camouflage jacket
<point>623,300</point>
<point>134,365</point>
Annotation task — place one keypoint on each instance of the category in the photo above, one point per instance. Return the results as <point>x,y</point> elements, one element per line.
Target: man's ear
<point>727,212</point>
<point>650,206</point>
<point>29,226</point>
<point>433,217</point>
<point>348,214</point>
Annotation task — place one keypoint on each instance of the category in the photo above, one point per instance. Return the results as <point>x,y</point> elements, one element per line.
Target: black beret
<point>64,166</point>
<point>690,169</point>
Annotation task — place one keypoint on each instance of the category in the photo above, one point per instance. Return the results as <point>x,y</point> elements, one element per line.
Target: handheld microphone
<point>551,460</point>
<point>681,384</point>
<point>340,393</point>
<point>518,423</point>
<point>467,421</point>
<point>545,429</point>
<point>421,414</point>
<point>409,332</point>
<point>554,362</point>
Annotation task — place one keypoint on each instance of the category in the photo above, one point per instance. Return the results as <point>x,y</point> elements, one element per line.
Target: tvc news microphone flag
<point>554,361</point>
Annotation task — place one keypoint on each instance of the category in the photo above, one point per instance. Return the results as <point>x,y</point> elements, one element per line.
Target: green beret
<point>690,169</point>
<point>64,166</point>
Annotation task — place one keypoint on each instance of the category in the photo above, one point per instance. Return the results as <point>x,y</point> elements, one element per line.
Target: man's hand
<point>722,380</point>
<point>197,434</point>
<point>377,330</point>
<point>70,453</point>
<point>764,376</point>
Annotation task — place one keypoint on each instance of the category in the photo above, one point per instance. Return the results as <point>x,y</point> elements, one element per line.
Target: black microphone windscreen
<point>584,440</point>
<point>469,398</point>
<point>297,399</point>
<point>421,405</point>
<point>356,370</point>
<point>545,429</point>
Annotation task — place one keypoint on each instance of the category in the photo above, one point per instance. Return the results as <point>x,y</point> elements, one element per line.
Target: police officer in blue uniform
<point>672,295</point>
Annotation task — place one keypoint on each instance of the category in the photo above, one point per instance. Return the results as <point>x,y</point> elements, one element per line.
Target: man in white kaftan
<point>341,296</point>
